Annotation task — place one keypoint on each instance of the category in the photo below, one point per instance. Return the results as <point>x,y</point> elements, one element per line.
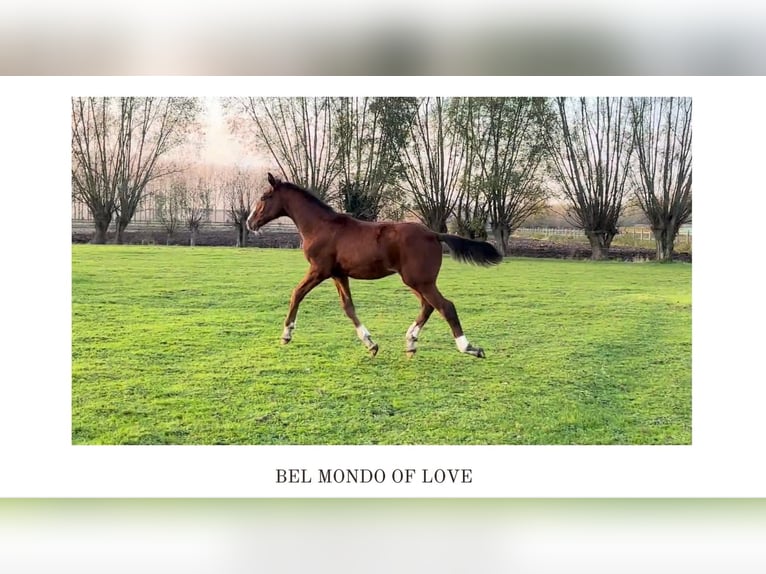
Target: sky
<point>221,148</point>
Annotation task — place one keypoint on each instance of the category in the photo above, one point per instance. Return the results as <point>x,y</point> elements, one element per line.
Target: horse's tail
<point>470,250</point>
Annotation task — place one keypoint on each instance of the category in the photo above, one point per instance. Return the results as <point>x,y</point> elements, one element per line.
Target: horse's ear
<point>272,180</point>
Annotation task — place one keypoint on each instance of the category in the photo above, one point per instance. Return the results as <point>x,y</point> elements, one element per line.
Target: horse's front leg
<point>311,280</point>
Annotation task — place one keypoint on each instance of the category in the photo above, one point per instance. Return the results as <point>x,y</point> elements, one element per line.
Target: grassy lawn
<point>173,345</point>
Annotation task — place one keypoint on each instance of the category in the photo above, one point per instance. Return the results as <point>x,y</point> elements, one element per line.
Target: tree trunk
<point>436,223</point>
<point>242,235</point>
<point>600,242</point>
<point>102,226</point>
<point>193,237</point>
<point>502,236</point>
<point>665,240</point>
<point>121,225</point>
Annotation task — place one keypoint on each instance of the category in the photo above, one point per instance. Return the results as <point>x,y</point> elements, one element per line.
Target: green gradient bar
<point>455,535</point>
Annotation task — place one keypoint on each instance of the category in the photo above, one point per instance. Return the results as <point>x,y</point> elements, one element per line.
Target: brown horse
<point>337,245</point>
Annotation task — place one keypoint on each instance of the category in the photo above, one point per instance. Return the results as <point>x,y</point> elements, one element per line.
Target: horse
<point>340,247</point>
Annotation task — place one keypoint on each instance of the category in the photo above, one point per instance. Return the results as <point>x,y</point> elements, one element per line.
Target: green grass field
<point>174,345</point>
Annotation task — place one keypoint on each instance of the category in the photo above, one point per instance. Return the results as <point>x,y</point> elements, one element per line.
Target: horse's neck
<point>306,215</point>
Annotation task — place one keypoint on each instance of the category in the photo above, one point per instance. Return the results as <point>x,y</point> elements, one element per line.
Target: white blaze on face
<point>249,217</point>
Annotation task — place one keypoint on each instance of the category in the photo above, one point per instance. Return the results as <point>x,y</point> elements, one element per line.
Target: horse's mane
<point>308,195</point>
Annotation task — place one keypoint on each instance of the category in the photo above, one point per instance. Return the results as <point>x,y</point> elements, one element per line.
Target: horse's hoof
<point>477,352</point>
<point>410,353</point>
<point>284,341</point>
<point>374,350</point>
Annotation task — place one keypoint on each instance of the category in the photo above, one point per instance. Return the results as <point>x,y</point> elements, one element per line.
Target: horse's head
<point>269,207</point>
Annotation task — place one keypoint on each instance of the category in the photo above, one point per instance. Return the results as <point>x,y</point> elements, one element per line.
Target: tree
<point>662,132</point>
<point>240,195</point>
<point>94,173</point>
<point>508,137</point>
<point>470,212</point>
<point>590,155</point>
<point>297,133</point>
<point>118,145</point>
<point>168,205</point>
<point>370,133</point>
<point>471,215</point>
<point>197,204</point>
<point>435,161</point>
<point>151,127</point>
<point>185,200</point>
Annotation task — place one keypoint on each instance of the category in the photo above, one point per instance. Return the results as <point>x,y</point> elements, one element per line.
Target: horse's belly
<point>370,273</point>
<point>362,268</point>
<point>363,258</point>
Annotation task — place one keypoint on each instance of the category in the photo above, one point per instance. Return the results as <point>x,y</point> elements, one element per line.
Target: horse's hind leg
<point>448,311</point>
<point>344,291</point>
<point>412,333</point>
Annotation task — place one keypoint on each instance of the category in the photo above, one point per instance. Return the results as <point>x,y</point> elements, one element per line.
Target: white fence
<point>145,218</point>
<point>636,233</point>
<point>281,225</point>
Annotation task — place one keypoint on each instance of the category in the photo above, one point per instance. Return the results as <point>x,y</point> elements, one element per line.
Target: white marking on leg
<point>462,343</point>
<point>412,336</point>
<point>362,333</point>
<point>412,332</point>
<point>287,334</point>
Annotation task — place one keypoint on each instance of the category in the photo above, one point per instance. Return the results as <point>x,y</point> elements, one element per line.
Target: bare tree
<point>370,133</point>
<point>117,148</point>
<point>150,127</point>
<point>662,131</point>
<point>196,207</point>
<point>590,156</point>
<point>470,213</point>
<point>183,200</point>
<point>508,136</point>
<point>168,205</point>
<point>297,133</point>
<point>435,161</point>
<point>240,194</point>
<point>94,170</point>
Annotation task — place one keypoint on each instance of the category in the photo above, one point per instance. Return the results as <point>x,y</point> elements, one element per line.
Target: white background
<point>38,459</point>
